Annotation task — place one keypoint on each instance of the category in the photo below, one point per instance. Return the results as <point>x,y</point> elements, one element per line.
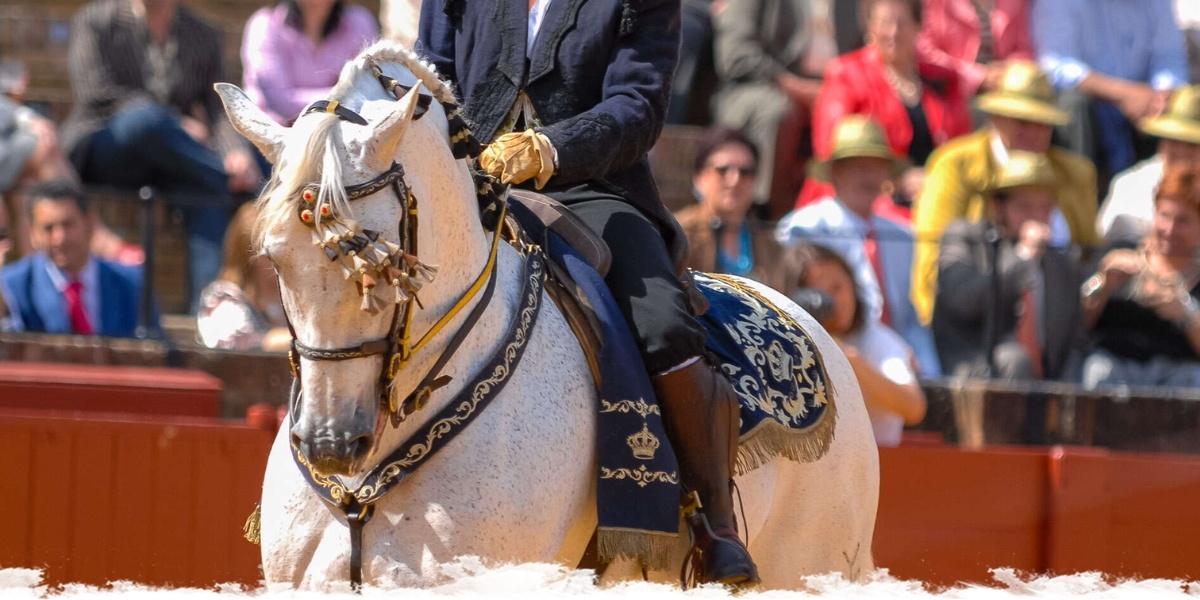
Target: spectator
<point>1113,62</point>
<point>145,113</point>
<point>763,90</point>
<point>695,74</point>
<point>1008,306</point>
<point>293,52</point>
<point>721,236</point>
<point>241,309</point>
<point>61,287</point>
<point>878,250</point>
<point>976,38</point>
<point>29,153</point>
<point>1141,304</point>
<point>1187,15</point>
<point>5,246</point>
<point>881,360</point>
<point>1126,214</point>
<point>961,173</point>
<point>917,103</point>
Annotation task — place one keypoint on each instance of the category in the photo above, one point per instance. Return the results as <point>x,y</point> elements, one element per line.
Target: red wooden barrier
<point>98,388</point>
<point>155,501</point>
<point>948,515</point>
<point>162,501</point>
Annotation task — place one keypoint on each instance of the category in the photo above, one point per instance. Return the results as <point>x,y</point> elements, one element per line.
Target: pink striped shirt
<point>284,71</point>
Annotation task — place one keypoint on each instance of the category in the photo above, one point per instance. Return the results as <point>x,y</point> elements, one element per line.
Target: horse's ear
<point>251,121</point>
<point>388,131</point>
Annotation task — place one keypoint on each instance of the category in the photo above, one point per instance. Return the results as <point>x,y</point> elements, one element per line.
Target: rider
<point>570,96</point>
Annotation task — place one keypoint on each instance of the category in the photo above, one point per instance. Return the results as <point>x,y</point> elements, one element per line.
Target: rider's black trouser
<point>641,278</point>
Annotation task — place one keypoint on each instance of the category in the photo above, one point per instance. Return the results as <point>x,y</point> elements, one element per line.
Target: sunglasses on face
<point>724,170</point>
<point>3,233</point>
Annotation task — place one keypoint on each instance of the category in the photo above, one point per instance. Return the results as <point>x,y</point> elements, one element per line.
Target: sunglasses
<point>3,233</point>
<point>723,170</point>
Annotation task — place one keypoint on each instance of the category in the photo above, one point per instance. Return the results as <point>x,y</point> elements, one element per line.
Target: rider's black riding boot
<point>700,411</point>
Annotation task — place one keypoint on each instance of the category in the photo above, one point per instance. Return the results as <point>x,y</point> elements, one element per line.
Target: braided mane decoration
<point>325,206</point>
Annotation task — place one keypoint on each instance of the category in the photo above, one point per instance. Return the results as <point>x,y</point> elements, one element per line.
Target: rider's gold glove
<point>520,156</point>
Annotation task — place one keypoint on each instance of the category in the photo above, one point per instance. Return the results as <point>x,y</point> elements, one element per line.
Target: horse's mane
<point>317,160</point>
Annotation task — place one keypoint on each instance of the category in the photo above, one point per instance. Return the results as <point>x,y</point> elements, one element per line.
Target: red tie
<point>1027,332</point>
<point>871,247</point>
<point>79,320</point>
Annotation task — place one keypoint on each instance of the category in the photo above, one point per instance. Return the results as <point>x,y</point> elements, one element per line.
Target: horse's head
<point>336,221</point>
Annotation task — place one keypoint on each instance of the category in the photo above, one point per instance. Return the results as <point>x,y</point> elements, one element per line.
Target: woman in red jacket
<point>918,104</point>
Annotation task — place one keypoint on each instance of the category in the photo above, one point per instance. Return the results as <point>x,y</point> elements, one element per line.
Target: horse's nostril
<point>360,446</point>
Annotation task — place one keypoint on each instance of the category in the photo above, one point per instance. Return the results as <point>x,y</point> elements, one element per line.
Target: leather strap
<point>460,412</point>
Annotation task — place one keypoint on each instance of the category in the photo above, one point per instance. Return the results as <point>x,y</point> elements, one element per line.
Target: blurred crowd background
<point>973,189</point>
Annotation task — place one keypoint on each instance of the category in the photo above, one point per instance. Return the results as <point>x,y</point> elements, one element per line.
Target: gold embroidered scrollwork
<point>641,475</point>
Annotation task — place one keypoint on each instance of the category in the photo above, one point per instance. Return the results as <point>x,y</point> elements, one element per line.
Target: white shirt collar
<point>89,276</point>
<point>999,152</point>
<point>536,15</point>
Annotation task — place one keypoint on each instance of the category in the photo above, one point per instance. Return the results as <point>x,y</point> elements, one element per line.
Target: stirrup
<point>713,558</point>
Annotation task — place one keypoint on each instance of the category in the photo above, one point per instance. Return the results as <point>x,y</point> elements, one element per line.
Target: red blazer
<point>950,36</point>
<point>855,83</point>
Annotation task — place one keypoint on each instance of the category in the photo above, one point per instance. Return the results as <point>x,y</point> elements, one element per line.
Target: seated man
<point>30,152</point>
<point>1008,305</point>
<point>61,287</point>
<point>1128,211</point>
<point>1021,116</point>
<point>145,112</point>
<point>763,88</point>
<point>879,250</point>
<point>1115,62</point>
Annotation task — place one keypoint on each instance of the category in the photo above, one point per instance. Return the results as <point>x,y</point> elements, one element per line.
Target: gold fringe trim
<point>253,527</point>
<point>651,550</point>
<point>771,439</point>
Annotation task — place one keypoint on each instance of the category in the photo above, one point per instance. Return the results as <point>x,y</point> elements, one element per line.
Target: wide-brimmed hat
<point>1025,169</point>
<point>1181,120</point>
<point>1024,93</point>
<point>856,136</point>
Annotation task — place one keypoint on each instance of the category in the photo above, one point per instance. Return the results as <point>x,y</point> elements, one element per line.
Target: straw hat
<point>1025,169</point>
<point>856,136</point>
<point>1025,94</point>
<point>1181,120</point>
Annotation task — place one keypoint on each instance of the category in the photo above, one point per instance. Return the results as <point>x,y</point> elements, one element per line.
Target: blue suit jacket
<point>36,305</point>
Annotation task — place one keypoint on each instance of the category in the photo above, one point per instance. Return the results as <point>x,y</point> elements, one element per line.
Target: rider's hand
<point>518,157</point>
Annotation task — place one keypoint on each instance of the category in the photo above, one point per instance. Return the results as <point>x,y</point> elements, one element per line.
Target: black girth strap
<point>457,414</point>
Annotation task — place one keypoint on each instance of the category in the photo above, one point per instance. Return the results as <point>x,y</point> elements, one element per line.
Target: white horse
<point>518,484</point>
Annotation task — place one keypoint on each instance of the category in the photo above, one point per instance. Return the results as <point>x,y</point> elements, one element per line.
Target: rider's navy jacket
<point>598,85</point>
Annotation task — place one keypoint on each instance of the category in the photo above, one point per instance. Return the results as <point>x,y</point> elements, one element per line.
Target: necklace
<point>909,90</point>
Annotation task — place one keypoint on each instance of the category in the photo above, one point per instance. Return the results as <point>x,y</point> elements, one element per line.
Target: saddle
<point>540,216</point>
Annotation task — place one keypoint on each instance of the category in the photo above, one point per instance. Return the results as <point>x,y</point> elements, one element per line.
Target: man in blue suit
<point>61,287</point>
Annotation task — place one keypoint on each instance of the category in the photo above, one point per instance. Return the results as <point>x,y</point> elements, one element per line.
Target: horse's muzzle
<point>331,454</point>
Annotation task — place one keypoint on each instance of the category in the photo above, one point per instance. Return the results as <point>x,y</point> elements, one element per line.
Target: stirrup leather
<point>713,558</point>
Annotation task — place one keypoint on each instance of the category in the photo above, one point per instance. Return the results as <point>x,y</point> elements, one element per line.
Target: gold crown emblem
<point>643,444</point>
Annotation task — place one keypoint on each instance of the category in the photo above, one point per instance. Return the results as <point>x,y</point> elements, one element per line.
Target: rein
<point>370,257</point>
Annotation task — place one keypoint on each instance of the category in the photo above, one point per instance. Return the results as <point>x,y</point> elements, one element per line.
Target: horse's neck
<point>450,237</point>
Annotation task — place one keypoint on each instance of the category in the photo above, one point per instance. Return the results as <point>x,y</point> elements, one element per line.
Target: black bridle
<point>397,346</point>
